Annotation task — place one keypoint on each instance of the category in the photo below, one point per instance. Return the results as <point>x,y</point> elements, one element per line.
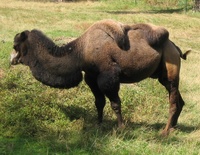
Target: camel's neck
<point>56,80</point>
<point>53,65</point>
<point>60,51</point>
<point>56,59</point>
<point>45,45</point>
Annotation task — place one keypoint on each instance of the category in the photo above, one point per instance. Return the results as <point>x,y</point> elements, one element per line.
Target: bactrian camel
<point>109,53</point>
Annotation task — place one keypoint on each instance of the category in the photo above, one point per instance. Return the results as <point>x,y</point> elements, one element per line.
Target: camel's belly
<point>131,75</point>
<point>139,69</point>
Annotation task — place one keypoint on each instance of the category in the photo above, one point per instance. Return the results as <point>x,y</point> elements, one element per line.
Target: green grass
<point>36,119</point>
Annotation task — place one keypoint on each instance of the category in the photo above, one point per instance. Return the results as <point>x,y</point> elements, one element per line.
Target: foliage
<point>36,119</point>
<point>197,5</point>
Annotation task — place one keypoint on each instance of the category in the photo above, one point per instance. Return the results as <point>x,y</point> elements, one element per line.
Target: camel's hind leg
<point>176,104</point>
<point>170,79</point>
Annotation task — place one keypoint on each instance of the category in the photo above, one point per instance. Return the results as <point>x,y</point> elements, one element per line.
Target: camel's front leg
<point>116,106</point>
<point>99,96</point>
<point>108,83</point>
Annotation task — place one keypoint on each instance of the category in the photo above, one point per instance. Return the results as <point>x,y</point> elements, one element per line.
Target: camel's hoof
<point>121,126</point>
<point>165,133</point>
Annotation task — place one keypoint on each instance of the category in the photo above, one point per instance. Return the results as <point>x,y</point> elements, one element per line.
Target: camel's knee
<point>116,106</point>
<point>173,91</point>
<point>173,108</point>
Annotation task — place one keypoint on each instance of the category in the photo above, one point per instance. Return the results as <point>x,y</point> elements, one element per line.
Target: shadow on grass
<point>90,121</point>
<point>90,139</point>
<point>74,112</point>
<point>186,128</point>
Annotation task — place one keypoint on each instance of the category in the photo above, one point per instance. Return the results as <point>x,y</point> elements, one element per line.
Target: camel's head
<point>20,48</point>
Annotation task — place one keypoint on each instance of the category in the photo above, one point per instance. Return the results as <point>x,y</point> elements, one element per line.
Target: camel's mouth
<point>15,58</point>
<point>17,53</point>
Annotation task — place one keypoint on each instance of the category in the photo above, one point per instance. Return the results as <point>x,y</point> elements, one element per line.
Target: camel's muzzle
<point>14,58</point>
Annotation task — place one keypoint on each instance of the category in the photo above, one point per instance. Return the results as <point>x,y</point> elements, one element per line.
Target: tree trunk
<point>196,5</point>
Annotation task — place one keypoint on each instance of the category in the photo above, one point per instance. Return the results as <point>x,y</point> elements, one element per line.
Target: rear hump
<point>155,35</point>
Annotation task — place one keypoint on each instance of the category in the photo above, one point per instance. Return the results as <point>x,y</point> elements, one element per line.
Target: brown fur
<point>116,30</point>
<point>109,53</point>
<point>154,35</point>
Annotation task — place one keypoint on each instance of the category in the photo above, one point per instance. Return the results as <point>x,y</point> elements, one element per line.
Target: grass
<point>36,119</point>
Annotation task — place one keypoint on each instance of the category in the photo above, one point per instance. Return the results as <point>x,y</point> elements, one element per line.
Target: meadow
<point>36,119</point>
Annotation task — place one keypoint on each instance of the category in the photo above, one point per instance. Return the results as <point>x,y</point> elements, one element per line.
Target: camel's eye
<point>16,47</point>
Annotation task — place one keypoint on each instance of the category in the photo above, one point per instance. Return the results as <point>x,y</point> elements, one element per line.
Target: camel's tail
<point>182,55</point>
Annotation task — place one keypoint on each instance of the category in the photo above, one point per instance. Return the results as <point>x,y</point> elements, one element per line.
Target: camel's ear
<point>24,35</point>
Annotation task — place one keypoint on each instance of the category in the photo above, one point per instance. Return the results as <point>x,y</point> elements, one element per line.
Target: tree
<point>196,5</point>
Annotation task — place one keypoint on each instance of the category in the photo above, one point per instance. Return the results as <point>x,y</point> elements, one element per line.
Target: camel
<point>109,53</point>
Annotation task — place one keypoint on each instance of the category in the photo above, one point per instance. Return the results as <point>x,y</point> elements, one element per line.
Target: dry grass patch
<point>1,73</point>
